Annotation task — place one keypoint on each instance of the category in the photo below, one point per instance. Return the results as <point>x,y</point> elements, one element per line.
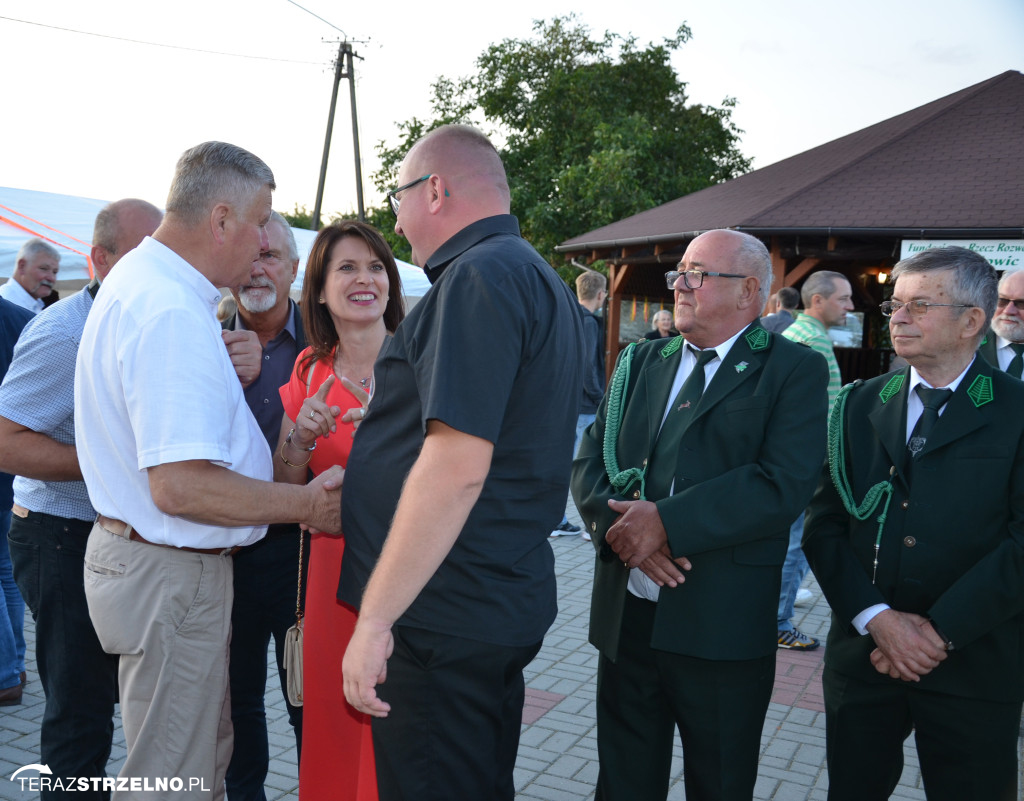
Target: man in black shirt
<point>461,465</point>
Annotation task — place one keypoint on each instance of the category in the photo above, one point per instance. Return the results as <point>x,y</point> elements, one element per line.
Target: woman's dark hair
<point>321,335</point>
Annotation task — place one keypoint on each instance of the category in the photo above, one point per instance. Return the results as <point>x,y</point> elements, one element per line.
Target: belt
<point>122,529</point>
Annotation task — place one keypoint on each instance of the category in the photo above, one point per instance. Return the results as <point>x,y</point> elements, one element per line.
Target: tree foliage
<point>591,130</point>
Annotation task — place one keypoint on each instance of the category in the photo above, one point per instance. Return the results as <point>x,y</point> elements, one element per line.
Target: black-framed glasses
<point>393,194</point>
<point>1017,303</point>
<point>917,308</point>
<point>694,279</point>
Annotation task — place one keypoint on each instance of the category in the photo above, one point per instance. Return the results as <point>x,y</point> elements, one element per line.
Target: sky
<point>104,117</point>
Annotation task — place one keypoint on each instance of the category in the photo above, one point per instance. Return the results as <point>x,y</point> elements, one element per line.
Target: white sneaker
<point>585,535</point>
<point>803,597</point>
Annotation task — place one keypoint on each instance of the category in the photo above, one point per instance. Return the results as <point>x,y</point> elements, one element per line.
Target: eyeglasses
<point>694,279</point>
<point>393,194</point>
<point>1017,303</point>
<point>917,308</point>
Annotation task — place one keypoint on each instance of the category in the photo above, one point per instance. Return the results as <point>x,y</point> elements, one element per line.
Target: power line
<point>339,30</point>
<point>159,44</point>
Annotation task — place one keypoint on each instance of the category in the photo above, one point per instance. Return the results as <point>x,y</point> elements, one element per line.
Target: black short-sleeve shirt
<point>494,349</point>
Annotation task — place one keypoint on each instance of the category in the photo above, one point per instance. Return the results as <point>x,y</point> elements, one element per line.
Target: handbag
<point>293,643</point>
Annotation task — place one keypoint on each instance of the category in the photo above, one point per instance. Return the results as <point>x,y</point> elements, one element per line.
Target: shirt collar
<point>723,349</point>
<point>915,379</point>
<point>188,274</point>
<point>471,235</point>
<point>22,296</point>
<point>289,325</point>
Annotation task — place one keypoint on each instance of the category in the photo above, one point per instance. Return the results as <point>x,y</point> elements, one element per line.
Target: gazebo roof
<point>954,166</point>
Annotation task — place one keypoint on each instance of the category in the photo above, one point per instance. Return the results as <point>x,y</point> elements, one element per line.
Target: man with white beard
<point>264,338</point>
<point>1004,345</point>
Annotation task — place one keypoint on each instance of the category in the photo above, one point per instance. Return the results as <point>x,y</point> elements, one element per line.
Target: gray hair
<point>31,247</point>
<point>821,283</point>
<point>289,235</point>
<point>106,230</point>
<point>659,313</point>
<point>1004,278</point>
<point>974,280</point>
<point>215,172</point>
<point>752,254</point>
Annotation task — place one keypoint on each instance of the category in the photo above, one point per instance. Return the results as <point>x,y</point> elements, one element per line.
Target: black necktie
<point>933,400</point>
<point>666,450</point>
<point>1016,364</point>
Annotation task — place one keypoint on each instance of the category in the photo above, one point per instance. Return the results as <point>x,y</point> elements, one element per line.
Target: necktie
<point>1016,364</point>
<point>933,400</point>
<point>666,450</point>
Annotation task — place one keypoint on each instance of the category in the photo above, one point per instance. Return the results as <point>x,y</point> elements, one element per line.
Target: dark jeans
<point>78,677</point>
<point>266,578</point>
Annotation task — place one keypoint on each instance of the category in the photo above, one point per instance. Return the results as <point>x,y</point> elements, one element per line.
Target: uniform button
<point>910,542</point>
<point>593,526</point>
<point>636,493</point>
<point>644,464</point>
<point>905,505</point>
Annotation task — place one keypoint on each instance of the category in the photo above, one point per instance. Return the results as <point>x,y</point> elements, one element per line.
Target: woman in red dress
<point>351,300</point>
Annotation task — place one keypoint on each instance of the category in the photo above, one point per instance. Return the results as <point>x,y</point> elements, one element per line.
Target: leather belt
<point>122,529</point>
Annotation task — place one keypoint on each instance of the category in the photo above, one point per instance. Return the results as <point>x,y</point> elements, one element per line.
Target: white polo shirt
<point>153,385</point>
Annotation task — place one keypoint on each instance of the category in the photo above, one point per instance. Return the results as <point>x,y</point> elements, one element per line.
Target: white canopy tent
<point>66,222</point>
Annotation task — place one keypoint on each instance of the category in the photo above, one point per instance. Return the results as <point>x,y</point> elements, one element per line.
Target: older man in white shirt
<point>35,273</point>
<point>178,470</point>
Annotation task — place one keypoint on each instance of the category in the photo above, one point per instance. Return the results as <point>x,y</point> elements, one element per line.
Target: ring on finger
<point>312,413</point>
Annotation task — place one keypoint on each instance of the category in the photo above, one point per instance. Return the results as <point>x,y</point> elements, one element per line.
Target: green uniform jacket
<point>748,464</point>
<point>952,547</point>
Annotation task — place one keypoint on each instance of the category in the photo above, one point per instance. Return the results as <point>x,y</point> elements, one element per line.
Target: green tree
<point>591,130</point>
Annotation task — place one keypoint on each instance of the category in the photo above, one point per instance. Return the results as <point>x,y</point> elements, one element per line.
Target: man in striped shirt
<point>827,297</point>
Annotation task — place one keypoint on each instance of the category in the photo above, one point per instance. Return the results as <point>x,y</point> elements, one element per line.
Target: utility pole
<point>343,68</point>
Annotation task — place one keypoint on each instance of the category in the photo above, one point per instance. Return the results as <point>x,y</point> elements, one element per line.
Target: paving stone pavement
<point>558,748</point>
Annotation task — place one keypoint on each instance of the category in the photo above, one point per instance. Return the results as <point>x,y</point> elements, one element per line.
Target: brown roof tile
<point>954,163</point>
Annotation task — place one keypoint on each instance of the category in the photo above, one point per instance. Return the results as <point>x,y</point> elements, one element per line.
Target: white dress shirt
<point>153,385</point>
<point>639,583</point>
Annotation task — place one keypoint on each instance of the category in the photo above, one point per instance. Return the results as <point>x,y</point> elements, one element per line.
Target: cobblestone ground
<point>558,750</point>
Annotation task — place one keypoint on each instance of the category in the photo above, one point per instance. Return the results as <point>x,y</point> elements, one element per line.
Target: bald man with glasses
<point>700,458</point>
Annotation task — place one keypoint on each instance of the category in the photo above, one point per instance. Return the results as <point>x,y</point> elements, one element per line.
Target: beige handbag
<point>293,643</point>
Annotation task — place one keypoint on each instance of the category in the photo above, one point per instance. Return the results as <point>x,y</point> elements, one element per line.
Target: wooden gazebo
<point>952,169</point>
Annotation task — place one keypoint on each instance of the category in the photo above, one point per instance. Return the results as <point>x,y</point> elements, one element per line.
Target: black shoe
<point>565,529</point>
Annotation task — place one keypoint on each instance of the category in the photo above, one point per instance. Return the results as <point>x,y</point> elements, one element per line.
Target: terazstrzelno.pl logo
<point>40,778</point>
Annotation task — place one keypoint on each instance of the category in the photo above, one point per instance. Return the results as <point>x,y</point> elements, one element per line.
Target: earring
<point>321,298</point>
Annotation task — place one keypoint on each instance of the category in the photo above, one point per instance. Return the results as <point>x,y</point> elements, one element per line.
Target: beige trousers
<point>167,613</point>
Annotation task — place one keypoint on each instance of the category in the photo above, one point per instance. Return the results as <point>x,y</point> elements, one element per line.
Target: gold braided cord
<point>619,479</point>
<point>837,468</point>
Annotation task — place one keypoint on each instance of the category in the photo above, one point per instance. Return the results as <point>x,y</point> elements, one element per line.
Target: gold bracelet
<point>292,464</point>
<point>288,441</point>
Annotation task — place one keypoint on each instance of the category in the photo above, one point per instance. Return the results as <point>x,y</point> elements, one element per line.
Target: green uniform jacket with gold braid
<point>748,463</point>
<point>952,546</point>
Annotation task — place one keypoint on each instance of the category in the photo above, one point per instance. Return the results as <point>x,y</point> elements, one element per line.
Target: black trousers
<point>718,706</point>
<point>456,711</point>
<point>967,748</point>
